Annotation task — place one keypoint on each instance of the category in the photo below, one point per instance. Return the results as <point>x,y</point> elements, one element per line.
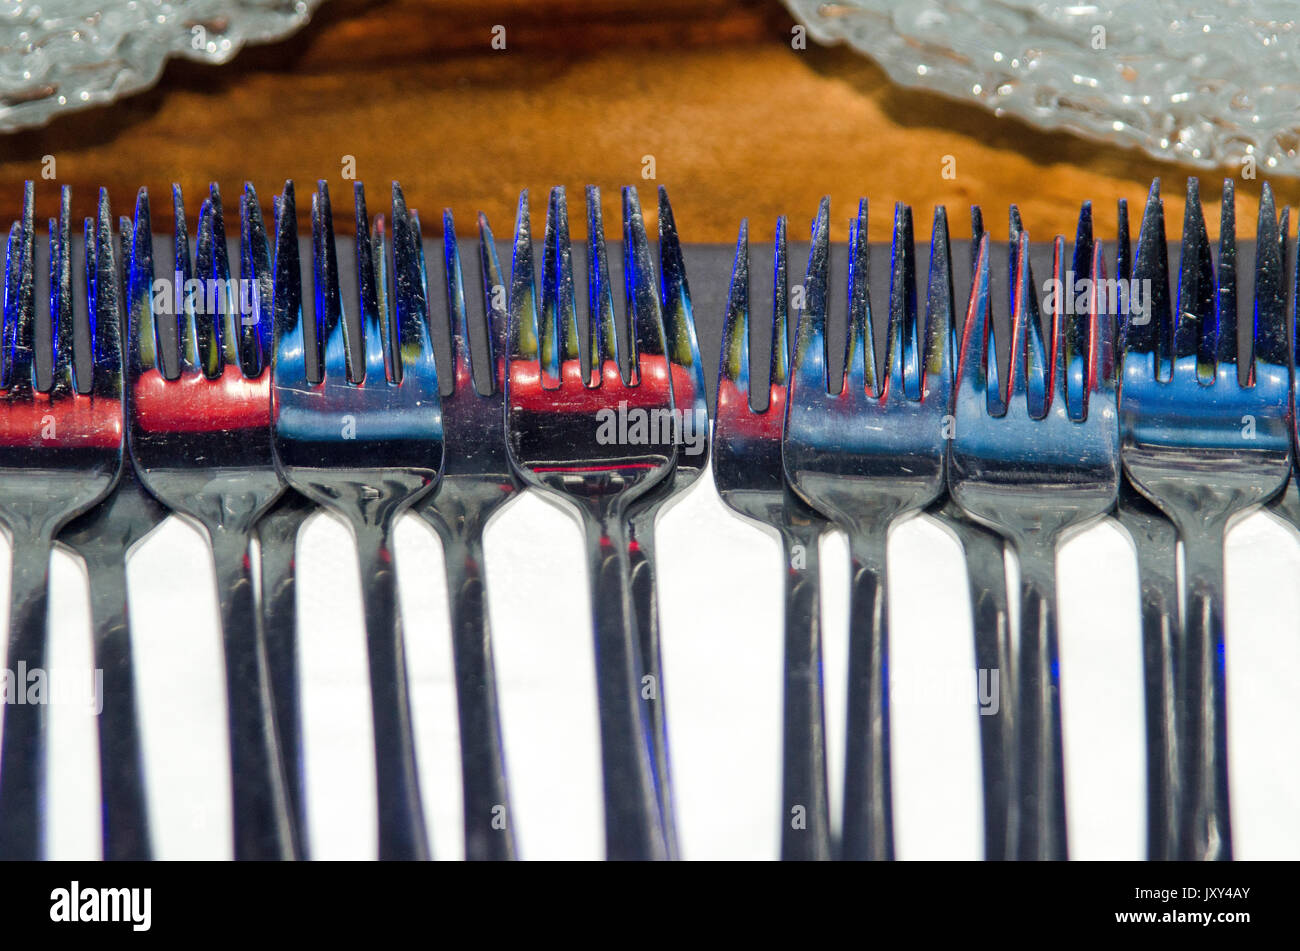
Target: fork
<point>476,482</point>
<point>200,439</point>
<point>1206,447</point>
<point>865,458</point>
<point>748,473</point>
<point>103,537</point>
<point>364,442</point>
<point>691,419</point>
<point>558,426</point>
<point>1045,465</point>
<point>60,453</point>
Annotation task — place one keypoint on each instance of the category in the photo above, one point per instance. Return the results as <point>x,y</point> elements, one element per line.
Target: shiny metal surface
<point>558,430</point>
<point>750,478</point>
<point>200,440</point>
<point>365,442</point>
<point>690,401</point>
<point>1035,463</point>
<point>61,451</point>
<point>476,482</point>
<point>1205,447</point>
<point>864,458</point>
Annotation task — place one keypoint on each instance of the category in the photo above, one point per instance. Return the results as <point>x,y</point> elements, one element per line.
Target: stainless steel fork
<point>61,450</point>
<point>366,443</point>
<point>749,476</point>
<point>1205,447</point>
<point>1046,464</point>
<point>476,482</point>
<point>200,438</point>
<point>864,458</point>
<point>599,442</point>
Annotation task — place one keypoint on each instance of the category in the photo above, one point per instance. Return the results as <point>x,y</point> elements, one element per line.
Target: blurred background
<point>718,102</point>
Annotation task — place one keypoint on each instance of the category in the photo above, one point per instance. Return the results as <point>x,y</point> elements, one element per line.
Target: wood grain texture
<point>739,123</point>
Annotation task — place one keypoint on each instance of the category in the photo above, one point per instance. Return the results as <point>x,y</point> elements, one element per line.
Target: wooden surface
<point>739,123</point>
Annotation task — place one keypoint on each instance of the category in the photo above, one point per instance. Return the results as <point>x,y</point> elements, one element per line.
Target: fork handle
<point>805,822</point>
<point>633,823</point>
<point>1206,833</point>
<point>125,824</point>
<point>1040,765</point>
<point>402,834</point>
<point>489,826</point>
<point>645,602</point>
<point>23,745</point>
<point>868,827</point>
<point>263,820</point>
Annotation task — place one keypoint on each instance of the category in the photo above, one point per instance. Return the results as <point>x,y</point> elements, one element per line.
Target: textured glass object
<point>57,55</point>
<point>1207,82</point>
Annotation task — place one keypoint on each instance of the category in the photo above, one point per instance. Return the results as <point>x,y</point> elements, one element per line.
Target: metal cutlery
<point>562,433</point>
<point>1205,446</point>
<point>200,439</point>
<point>750,478</point>
<point>61,450</point>
<point>864,458</point>
<point>1035,464</point>
<point>365,442</point>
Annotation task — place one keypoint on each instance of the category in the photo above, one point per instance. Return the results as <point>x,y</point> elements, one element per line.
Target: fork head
<point>1201,439</point>
<point>597,438</point>
<point>364,427</point>
<point>875,450</point>
<point>1043,456</point>
<point>61,439</point>
<point>199,385</point>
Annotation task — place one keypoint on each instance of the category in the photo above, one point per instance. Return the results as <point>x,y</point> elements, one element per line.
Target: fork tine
<point>145,350</point>
<point>334,355</point>
<point>1014,229</point>
<point>903,376</point>
<point>939,329</point>
<point>679,320</point>
<point>603,337</point>
<point>1029,368</point>
<point>734,362</point>
<point>523,292</point>
<point>1101,336</point>
<point>810,353</point>
<point>368,296</point>
<point>1063,345</point>
<point>992,379</point>
<point>1270,331</point>
<point>780,366</point>
<point>254,266</point>
<point>494,309</point>
<point>13,276</point>
<point>976,235</point>
<point>647,329</point>
<point>20,295</point>
<point>859,349</point>
<point>1225,298</point>
<point>411,303</point>
<point>290,346</point>
<point>186,354</point>
<point>977,363</point>
<point>1195,306</point>
<point>1150,330</point>
<point>559,314</point>
<point>64,377</point>
<point>227,319</point>
<point>212,330</point>
<point>105,310</point>
<point>457,318</point>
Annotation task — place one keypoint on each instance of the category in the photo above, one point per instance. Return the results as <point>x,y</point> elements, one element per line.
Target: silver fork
<point>1045,465</point>
<point>749,476</point>
<point>366,443</point>
<point>1206,447</point>
<point>865,458</point>
<point>558,423</point>
<point>61,450</point>
<point>476,482</point>
<point>200,438</point>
